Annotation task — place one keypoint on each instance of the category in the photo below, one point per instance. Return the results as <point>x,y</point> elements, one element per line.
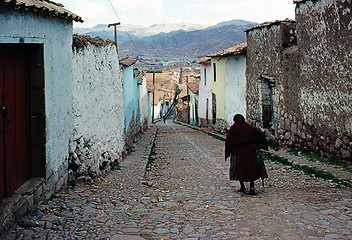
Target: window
<point>205,76</point>
<point>214,69</point>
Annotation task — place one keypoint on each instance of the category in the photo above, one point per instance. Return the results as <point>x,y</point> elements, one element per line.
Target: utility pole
<point>115,24</point>
<point>153,96</point>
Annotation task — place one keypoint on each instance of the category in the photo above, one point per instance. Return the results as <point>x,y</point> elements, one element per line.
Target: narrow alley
<point>186,194</point>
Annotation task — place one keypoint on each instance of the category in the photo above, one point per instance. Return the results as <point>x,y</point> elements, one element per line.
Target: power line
<point>162,44</point>
<point>167,11</point>
<point>124,28</point>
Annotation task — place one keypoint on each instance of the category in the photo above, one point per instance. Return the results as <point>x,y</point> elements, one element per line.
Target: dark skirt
<point>247,166</point>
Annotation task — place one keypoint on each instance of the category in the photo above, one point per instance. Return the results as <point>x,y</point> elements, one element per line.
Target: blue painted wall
<point>130,97</point>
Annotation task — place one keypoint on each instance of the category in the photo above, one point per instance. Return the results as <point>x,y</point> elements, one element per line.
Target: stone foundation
<point>182,115</point>
<point>204,122</point>
<point>300,134</point>
<point>220,125</point>
<point>30,194</point>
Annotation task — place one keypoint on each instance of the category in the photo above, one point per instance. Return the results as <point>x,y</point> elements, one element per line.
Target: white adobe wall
<point>157,110</point>
<point>144,108</point>
<point>205,92</point>
<point>194,99</point>
<point>235,90</point>
<point>98,108</point>
<point>56,37</point>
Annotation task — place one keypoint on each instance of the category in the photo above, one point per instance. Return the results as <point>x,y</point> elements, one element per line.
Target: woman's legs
<point>243,188</point>
<point>251,188</point>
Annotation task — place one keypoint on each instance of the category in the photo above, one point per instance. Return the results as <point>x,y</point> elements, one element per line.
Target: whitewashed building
<point>144,99</point>
<point>194,102</point>
<point>35,56</point>
<point>234,86</point>
<point>235,89</point>
<point>205,111</point>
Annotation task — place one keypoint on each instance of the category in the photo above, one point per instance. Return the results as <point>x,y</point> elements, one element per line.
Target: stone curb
<point>148,151</point>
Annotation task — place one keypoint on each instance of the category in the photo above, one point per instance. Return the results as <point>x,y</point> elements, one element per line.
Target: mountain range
<point>186,41</point>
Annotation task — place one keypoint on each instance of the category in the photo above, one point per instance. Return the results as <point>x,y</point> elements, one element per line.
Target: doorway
<point>22,118</point>
<point>14,138</point>
<point>214,107</point>
<point>267,103</point>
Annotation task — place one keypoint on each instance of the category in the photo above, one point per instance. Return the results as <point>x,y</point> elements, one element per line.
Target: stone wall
<point>182,114</point>
<point>307,77</point>
<point>220,125</point>
<point>98,107</point>
<point>324,39</point>
<point>268,79</point>
<point>30,194</point>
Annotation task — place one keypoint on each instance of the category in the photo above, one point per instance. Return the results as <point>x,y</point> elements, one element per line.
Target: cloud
<point>132,4</point>
<point>148,12</point>
<point>254,10</point>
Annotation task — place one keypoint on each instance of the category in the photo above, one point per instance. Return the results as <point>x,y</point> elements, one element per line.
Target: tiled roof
<point>165,84</point>
<point>139,74</point>
<point>42,7</point>
<point>194,86</point>
<point>269,24</point>
<point>202,60</point>
<point>238,49</point>
<point>127,61</point>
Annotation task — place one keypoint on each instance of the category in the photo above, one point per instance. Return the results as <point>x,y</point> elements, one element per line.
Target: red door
<point>14,167</point>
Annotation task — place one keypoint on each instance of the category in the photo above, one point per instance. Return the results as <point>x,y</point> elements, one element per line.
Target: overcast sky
<point>149,12</point>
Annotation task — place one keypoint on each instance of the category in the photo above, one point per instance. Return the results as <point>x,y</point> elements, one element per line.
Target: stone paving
<point>187,195</point>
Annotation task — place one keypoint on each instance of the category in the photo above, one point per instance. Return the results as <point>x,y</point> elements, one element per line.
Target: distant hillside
<point>188,41</point>
<point>136,32</point>
<point>190,45</point>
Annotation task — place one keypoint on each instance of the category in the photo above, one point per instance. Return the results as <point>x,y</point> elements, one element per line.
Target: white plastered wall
<point>235,90</point>
<point>56,37</point>
<point>98,107</point>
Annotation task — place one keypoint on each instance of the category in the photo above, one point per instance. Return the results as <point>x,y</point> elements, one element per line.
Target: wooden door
<point>14,165</point>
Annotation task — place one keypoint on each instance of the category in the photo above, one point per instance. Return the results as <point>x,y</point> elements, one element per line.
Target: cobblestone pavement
<point>187,195</point>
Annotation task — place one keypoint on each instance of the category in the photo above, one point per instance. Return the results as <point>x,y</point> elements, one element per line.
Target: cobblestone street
<point>186,194</point>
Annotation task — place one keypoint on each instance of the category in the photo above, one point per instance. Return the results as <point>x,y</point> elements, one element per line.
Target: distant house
<point>144,94</point>
<point>229,85</point>
<point>36,70</point>
<point>218,73</point>
<point>164,85</point>
<point>193,101</point>
<point>205,94</point>
<point>321,115</point>
<point>131,93</point>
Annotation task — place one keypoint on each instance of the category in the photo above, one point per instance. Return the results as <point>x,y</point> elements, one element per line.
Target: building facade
<point>324,122</point>
<point>131,93</point>
<point>229,87</point>
<point>218,73</point>
<point>36,103</point>
<point>270,70</point>
<point>205,95</point>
